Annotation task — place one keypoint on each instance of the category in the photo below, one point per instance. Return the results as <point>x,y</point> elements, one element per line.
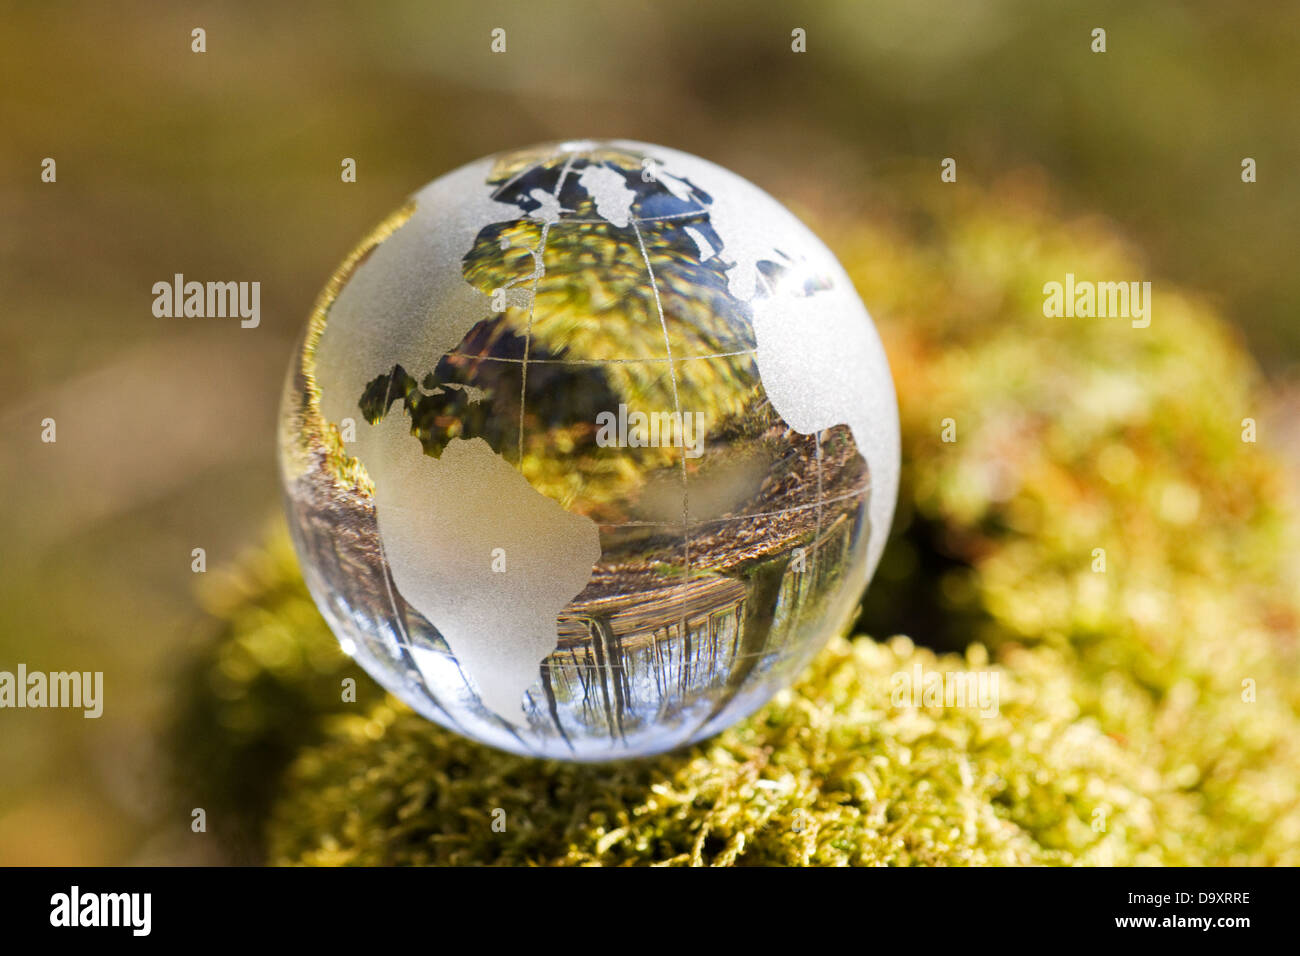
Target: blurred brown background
<point>225,166</point>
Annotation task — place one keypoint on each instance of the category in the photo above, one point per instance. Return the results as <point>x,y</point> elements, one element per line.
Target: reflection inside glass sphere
<point>588,449</point>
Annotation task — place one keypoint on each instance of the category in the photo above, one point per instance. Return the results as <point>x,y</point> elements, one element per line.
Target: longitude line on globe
<point>677,405</point>
<point>677,409</point>
<point>539,268</point>
<point>515,178</point>
<point>821,493</point>
<point>564,172</point>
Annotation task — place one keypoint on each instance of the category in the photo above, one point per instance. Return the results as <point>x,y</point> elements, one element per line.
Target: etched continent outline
<point>818,355</point>
<point>500,628</point>
<point>812,350</point>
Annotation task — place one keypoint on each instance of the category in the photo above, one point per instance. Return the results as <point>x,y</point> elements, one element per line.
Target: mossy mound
<point>830,773</point>
<point>1149,713</point>
<point>255,695</point>
<point>1079,434</point>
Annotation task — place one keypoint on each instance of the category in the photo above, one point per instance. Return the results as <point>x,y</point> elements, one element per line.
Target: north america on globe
<point>623,449</point>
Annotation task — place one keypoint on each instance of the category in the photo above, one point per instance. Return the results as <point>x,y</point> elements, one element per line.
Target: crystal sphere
<point>587,450</point>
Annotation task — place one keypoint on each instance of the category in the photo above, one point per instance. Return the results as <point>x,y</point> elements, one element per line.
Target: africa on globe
<point>588,449</point>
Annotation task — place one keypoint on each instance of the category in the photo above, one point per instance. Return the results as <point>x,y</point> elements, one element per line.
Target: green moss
<point>1126,732</point>
<point>829,774</point>
<point>255,694</point>
<point>1086,433</point>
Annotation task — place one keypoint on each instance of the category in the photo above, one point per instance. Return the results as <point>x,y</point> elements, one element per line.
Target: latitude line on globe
<point>613,361</point>
<point>758,514</point>
<point>689,214</point>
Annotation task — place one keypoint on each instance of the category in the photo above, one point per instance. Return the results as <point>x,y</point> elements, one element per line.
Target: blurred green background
<point>225,165</point>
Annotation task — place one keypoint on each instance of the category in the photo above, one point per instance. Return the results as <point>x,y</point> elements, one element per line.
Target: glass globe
<point>588,449</point>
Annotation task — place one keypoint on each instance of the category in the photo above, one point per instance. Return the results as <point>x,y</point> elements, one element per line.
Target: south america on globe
<point>588,449</point>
